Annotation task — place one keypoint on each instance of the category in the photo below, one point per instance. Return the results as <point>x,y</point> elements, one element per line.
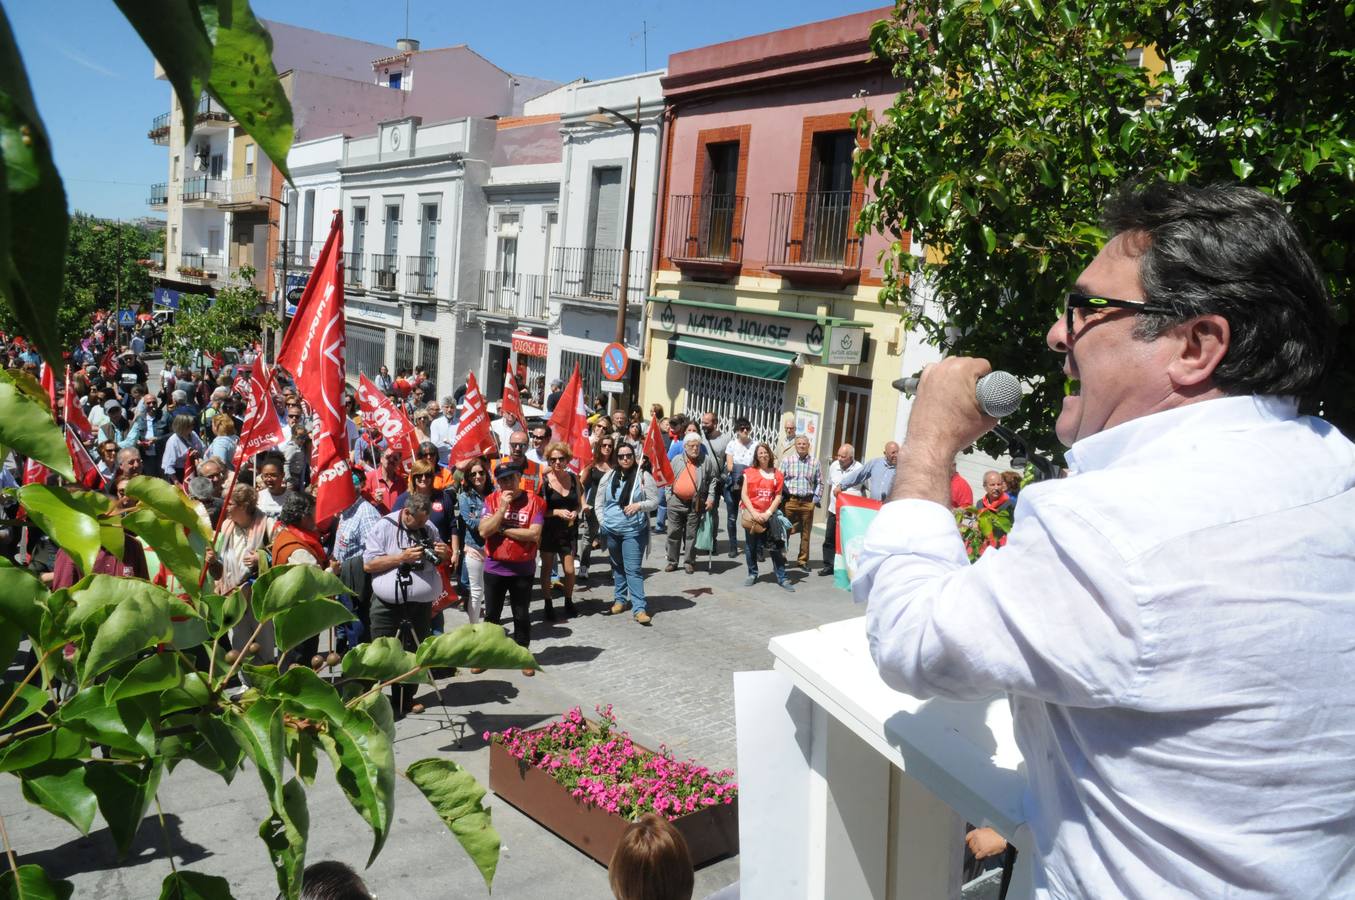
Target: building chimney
<point>407,45</point>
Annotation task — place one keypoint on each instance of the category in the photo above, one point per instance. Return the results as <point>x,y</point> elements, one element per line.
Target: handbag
<point>751,525</point>
<point>705,533</point>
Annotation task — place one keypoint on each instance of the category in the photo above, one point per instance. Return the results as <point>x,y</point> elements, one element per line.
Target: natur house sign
<point>832,341</point>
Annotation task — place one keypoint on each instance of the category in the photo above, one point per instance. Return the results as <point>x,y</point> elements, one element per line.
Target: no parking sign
<point>615,361</point>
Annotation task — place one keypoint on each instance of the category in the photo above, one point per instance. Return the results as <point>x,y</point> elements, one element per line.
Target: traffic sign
<point>612,387</point>
<point>126,318</point>
<point>615,361</point>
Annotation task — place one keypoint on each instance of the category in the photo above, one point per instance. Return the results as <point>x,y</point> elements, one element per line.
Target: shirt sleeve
<point>1052,615</point>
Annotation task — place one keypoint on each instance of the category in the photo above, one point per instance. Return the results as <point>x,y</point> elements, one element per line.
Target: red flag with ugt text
<point>380,413</point>
<point>313,351</point>
<point>261,430</point>
<point>34,471</point>
<point>659,464</point>
<point>569,422</point>
<point>473,437</point>
<point>72,413</point>
<point>511,402</point>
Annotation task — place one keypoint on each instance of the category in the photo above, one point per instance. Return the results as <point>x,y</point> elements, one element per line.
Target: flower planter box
<point>712,832</point>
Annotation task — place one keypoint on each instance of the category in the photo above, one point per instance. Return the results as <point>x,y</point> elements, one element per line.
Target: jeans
<point>732,504</point>
<point>627,552</point>
<point>661,521</point>
<point>753,544</point>
<point>801,514</point>
<point>518,590</point>
<point>350,634</point>
<point>683,520</point>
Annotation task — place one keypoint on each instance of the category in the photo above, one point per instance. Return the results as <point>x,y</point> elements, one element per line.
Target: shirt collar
<point>1103,449</point>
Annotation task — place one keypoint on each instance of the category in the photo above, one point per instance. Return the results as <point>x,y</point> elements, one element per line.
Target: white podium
<point>849,789</point>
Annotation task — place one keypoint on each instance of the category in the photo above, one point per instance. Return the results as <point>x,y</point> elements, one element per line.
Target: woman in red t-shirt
<point>511,529</point>
<point>761,497</point>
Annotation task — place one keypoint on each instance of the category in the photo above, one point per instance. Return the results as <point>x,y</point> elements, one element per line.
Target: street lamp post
<point>603,117</point>
<point>282,291</point>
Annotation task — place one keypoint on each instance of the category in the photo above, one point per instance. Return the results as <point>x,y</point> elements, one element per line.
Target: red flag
<point>71,412</point>
<point>569,422</point>
<point>380,413</point>
<point>261,430</point>
<point>34,471</point>
<point>313,351</point>
<point>109,365</point>
<point>511,402</point>
<point>659,465</point>
<point>86,472</point>
<point>473,437</point>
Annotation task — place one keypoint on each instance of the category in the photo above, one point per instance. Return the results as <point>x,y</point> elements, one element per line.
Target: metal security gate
<point>366,349</point>
<point>590,371</point>
<point>730,396</point>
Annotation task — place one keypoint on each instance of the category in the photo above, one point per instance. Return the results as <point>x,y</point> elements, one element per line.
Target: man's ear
<point>1202,344</point>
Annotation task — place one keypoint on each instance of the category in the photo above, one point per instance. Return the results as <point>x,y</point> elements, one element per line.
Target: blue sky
<point>92,75</point>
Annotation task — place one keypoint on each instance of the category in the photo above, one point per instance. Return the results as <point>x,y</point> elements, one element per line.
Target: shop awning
<point>756,362</point>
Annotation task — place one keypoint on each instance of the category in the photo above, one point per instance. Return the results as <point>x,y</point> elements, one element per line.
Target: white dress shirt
<point>442,433</point>
<point>835,475</point>
<point>1175,623</point>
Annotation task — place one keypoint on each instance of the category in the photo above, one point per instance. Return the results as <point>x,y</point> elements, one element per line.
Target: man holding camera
<point>402,555</point>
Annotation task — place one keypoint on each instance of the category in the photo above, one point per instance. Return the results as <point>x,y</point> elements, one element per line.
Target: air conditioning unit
<point>509,228</point>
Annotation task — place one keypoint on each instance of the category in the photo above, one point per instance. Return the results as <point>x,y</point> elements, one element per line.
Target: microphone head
<point>998,394</point>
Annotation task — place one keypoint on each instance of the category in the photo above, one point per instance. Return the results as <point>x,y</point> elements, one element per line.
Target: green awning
<point>708,353</point>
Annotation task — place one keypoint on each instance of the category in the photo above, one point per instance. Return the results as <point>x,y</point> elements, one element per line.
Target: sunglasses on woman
<point>558,459</point>
<point>478,473</point>
<point>625,456</point>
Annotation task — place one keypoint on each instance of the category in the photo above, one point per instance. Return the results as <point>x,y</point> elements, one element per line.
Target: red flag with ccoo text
<point>511,402</point>
<point>313,351</point>
<point>261,430</point>
<point>380,413</point>
<point>569,422</point>
<point>659,465</point>
<point>473,437</point>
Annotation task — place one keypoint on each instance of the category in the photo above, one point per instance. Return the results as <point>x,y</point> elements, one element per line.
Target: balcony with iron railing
<point>293,255</point>
<point>246,193</point>
<point>159,131</point>
<point>421,275</point>
<point>209,111</point>
<point>813,238</point>
<point>705,234</point>
<point>203,190</point>
<point>156,258</point>
<point>593,273</point>
<point>203,266</point>
<point>385,268</point>
<point>513,296</point>
<point>352,270</point>
<point>159,194</point>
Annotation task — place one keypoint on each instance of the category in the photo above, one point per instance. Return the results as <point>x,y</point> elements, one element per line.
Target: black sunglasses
<point>625,456</point>
<point>1078,300</point>
<point>540,437</point>
<point>519,446</point>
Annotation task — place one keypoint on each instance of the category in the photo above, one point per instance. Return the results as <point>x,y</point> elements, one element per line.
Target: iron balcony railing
<point>202,188</point>
<point>157,260</point>
<point>159,132</point>
<point>595,273</point>
<point>421,274</point>
<point>209,110</point>
<point>249,189</point>
<point>519,296</point>
<point>385,266</point>
<point>706,227</point>
<point>294,255</point>
<point>814,229</point>
<point>202,265</point>
<point>159,195</point>
<point>352,269</point>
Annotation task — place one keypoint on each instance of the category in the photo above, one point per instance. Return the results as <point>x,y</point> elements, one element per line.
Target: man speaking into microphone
<point>1175,621</point>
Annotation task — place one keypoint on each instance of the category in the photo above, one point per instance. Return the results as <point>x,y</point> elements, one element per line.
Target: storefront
<point>744,361</point>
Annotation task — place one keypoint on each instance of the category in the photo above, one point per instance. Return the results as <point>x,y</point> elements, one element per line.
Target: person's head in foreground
<point>651,862</point>
<point>1201,292</point>
<point>332,880</point>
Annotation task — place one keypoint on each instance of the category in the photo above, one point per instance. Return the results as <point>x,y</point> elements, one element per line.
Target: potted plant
<point>586,780</point>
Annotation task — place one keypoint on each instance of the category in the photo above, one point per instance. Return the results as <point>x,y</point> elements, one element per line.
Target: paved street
<point>670,683</point>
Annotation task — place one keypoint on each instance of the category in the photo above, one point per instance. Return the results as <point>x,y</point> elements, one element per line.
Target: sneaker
<point>671,567</point>
<point>750,581</point>
<point>618,609</point>
<point>642,617</point>
<point>826,570</point>
<point>689,569</point>
<point>786,586</point>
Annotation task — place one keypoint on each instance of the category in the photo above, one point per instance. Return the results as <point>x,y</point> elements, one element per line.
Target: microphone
<point>997,393</point>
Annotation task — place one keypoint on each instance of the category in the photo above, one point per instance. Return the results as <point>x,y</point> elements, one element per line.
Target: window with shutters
<point>249,159</point>
<point>428,357</point>
<point>365,347</point>
<point>590,371</point>
<point>729,395</point>
<point>604,231</point>
<point>506,251</point>
<point>404,352</point>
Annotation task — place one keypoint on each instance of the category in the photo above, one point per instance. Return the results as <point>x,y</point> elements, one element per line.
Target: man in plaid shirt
<point>804,488</point>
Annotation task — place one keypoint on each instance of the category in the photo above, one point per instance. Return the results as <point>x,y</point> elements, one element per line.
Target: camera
<point>430,553</point>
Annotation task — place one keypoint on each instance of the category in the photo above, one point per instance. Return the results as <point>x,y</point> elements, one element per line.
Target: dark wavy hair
<point>1232,251</point>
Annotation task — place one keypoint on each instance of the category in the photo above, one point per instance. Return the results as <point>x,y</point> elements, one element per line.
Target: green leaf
<point>183,885</point>
<point>482,645</point>
<point>30,700</point>
<point>300,749</point>
<point>174,34</point>
<point>60,743</point>
<point>151,675</point>
<point>30,386</point>
<point>127,725</point>
<point>1270,25</point>
<point>260,677</point>
<point>284,834</point>
<point>292,626</point>
<point>360,750</point>
<point>378,706</point>
<point>32,883</point>
<point>259,732</point>
<point>283,587</point>
<point>192,693</point>
<point>380,660</point>
<point>138,621</point>
<point>68,517</point>
<point>989,238</point>
<point>59,787</point>
<point>124,793</point>
<point>22,598</point>
<point>244,80</point>
<point>33,227</point>
<point>27,428</point>
<point>458,800</point>
<point>181,554</point>
<point>1241,168</point>
<point>170,503</point>
<point>222,613</point>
